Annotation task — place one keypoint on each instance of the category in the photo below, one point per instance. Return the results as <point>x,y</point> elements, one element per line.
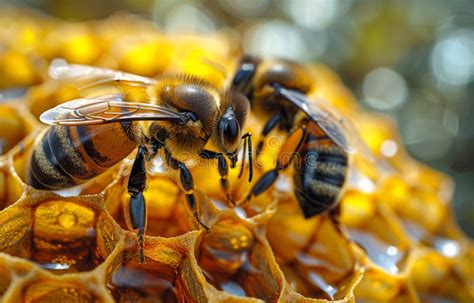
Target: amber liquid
<point>66,256</point>
<point>133,284</point>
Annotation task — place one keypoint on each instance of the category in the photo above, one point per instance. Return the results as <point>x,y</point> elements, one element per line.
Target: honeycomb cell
<point>436,279</point>
<point>168,216</point>
<point>61,236</point>
<point>235,261</point>
<point>132,283</point>
<point>163,276</point>
<point>314,254</point>
<point>424,216</point>
<point>378,286</point>
<point>65,238</point>
<point>379,234</point>
<point>424,208</point>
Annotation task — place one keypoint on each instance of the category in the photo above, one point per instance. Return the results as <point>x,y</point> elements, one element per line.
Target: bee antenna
<point>247,145</point>
<point>243,157</point>
<point>249,138</point>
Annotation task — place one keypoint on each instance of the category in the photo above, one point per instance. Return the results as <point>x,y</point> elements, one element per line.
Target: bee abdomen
<point>45,171</point>
<point>69,156</point>
<point>320,178</point>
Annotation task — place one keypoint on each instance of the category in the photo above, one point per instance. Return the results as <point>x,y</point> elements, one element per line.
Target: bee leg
<point>335,217</point>
<point>187,185</point>
<point>262,185</point>
<point>242,81</point>
<point>137,207</point>
<point>286,156</point>
<point>269,126</point>
<point>223,170</point>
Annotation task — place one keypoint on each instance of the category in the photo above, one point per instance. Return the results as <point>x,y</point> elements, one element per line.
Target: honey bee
<point>90,135</point>
<point>319,139</point>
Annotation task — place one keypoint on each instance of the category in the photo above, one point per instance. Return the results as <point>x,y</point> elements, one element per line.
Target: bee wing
<point>83,76</point>
<point>106,109</point>
<point>339,129</point>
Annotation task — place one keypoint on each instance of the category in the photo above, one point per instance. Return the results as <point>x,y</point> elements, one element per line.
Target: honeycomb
<point>397,241</point>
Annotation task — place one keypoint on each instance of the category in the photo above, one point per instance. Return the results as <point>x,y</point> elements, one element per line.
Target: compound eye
<point>230,131</point>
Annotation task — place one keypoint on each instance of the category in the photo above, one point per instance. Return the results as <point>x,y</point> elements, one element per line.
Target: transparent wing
<point>106,109</point>
<point>339,129</point>
<point>83,76</point>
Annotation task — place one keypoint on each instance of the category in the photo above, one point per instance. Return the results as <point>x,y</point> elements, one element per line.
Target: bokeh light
<point>452,58</point>
<point>384,89</point>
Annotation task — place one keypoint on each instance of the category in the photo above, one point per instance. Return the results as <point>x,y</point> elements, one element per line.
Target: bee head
<point>235,108</point>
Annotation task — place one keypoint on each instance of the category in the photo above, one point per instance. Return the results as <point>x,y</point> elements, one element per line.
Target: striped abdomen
<point>66,156</point>
<point>320,172</point>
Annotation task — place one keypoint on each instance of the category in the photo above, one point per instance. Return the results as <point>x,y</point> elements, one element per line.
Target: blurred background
<point>410,59</point>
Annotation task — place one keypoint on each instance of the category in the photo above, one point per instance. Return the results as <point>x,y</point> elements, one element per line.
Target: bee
<point>319,140</point>
<point>92,134</point>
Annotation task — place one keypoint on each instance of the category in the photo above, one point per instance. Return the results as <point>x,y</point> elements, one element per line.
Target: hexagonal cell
<point>167,215</point>
<point>68,237</point>
<point>425,217</point>
<point>378,286</point>
<point>235,261</point>
<point>377,233</point>
<point>61,236</point>
<point>437,280</point>
<point>314,255</point>
<point>159,278</point>
<point>132,283</point>
<point>13,127</point>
